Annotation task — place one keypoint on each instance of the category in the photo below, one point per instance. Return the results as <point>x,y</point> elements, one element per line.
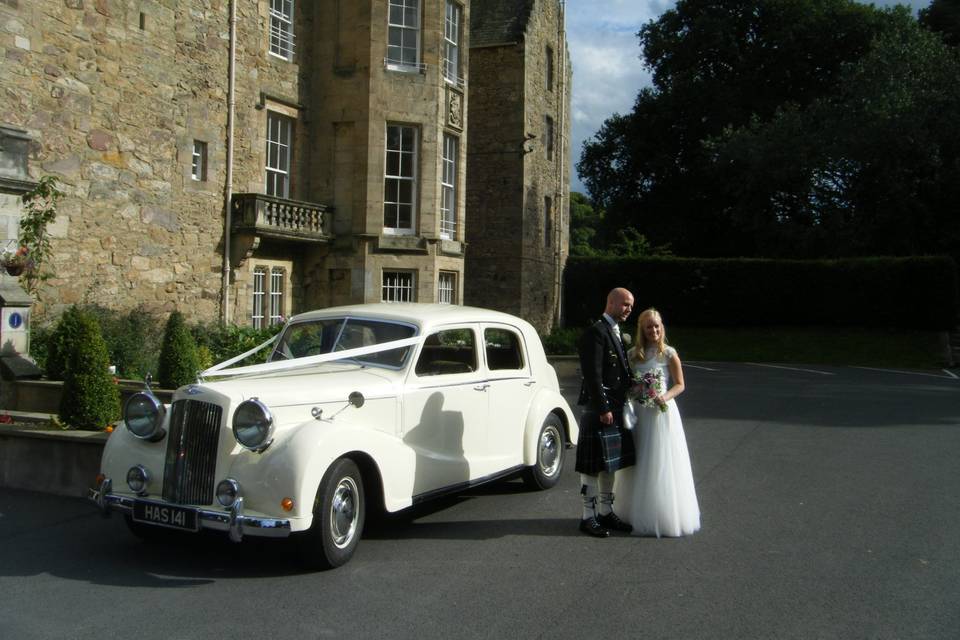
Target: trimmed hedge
<point>90,397</point>
<point>914,292</point>
<point>179,363</point>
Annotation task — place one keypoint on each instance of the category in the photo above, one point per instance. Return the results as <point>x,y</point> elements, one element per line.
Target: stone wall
<point>516,254</point>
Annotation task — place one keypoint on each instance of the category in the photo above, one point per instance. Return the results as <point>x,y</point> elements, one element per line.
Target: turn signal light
<point>286,504</point>
<point>100,478</point>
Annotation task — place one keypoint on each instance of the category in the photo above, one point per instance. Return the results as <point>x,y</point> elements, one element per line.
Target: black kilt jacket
<point>606,379</point>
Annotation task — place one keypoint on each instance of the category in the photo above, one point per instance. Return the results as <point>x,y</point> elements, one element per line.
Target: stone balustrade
<point>273,217</point>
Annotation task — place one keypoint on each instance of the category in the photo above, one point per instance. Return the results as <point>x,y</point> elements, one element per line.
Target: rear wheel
<point>338,517</point>
<point>546,469</point>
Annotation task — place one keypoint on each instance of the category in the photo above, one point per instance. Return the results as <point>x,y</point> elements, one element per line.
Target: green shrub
<point>179,363</point>
<point>219,343</point>
<point>133,339</point>
<point>561,341</point>
<point>90,398</point>
<point>60,343</point>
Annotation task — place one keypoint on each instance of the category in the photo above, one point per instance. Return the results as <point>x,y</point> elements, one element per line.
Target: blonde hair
<point>641,345</point>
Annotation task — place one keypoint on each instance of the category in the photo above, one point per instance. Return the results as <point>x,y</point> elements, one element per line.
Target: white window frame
<point>403,24</point>
<point>276,296</point>
<point>259,292</point>
<point>198,165</point>
<point>279,154</point>
<point>398,286</point>
<point>281,29</point>
<point>447,287</point>
<point>448,187</point>
<point>451,43</point>
<point>399,169</point>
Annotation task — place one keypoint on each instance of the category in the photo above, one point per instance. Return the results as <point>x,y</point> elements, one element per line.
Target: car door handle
<point>529,383</point>
<point>481,387</point>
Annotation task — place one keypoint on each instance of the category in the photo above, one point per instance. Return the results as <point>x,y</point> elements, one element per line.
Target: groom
<point>604,445</point>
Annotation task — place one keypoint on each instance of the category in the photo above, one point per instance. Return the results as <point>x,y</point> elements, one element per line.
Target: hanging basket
<point>14,269</point>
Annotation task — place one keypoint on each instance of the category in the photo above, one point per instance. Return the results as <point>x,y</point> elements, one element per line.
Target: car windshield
<point>316,337</point>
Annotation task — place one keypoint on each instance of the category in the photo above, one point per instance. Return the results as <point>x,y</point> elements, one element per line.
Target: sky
<point>607,69</point>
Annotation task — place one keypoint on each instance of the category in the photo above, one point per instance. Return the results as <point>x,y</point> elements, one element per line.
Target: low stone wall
<point>61,462</point>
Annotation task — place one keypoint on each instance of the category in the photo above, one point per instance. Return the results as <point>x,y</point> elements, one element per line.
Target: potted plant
<point>16,262</point>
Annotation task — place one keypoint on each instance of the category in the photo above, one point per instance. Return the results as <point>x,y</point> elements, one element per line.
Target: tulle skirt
<point>657,496</point>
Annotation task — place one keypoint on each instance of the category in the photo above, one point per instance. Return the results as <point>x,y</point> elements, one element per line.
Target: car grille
<point>188,473</point>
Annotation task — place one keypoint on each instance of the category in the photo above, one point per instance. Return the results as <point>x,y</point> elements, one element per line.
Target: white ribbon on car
<point>296,363</point>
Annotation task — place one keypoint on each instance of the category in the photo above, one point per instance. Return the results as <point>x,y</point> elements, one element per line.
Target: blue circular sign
<point>15,320</point>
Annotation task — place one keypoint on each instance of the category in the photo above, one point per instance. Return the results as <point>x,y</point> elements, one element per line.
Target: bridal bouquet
<point>646,391</point>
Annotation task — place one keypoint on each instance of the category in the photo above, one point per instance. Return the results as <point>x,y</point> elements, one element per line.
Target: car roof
<point>420,313</point>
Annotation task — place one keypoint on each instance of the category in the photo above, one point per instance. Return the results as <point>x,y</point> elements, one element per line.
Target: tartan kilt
<point>604,447</point>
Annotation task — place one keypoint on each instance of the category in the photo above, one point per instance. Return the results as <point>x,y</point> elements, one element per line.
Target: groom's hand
<point>606,418</point>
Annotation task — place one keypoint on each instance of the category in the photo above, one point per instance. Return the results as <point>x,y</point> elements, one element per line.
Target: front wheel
<point>545,471</point>
<point>338,517</point>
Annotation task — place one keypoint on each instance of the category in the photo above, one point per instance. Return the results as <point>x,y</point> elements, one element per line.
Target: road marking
<point>693,366</point>
<point>774,366</point>
<point>951,374</point>
<point>911,373</point>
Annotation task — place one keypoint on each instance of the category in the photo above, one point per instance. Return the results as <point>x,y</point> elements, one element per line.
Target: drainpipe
<point>561,172</point>
<point>228,188</point>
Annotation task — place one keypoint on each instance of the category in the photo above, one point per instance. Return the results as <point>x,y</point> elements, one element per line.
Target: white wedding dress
<point>657,496</point>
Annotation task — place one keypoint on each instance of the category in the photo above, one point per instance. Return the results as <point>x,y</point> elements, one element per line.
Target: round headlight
<point>137,479</point>
<point>143,414</point>
<point>227,492</point>
<point>253,425</point>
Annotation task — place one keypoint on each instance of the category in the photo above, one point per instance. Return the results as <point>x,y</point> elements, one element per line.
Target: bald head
<point>619,304</point>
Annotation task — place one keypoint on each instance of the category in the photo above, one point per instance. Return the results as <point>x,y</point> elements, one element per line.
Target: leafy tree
<point>872,168</point>
<point>717,65</point>
<point>179,362</point>
<point>589,238</point>
<point>943,17</point>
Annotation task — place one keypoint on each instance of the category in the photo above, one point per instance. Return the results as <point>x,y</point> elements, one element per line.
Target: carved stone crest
<point>455,110</point>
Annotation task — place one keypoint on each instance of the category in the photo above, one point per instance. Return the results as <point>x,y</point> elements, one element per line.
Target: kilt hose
<point>604,447</point>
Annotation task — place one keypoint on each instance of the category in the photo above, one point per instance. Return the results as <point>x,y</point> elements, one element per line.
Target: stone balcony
<point>256,216</point>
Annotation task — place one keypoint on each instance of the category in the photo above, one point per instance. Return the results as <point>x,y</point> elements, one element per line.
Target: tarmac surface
<point>830,509</point>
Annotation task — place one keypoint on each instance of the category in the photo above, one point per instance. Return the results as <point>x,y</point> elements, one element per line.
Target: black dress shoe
<point>591,527</point>
<point>613,521</point>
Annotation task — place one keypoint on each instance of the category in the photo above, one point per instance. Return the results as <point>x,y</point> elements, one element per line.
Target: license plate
<point>165,515</point>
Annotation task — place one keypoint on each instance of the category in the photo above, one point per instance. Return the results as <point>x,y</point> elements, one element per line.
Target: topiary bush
<point>90,399</point>
<point>61,343</point>
<point>179,363</point>
<point>133,339</point>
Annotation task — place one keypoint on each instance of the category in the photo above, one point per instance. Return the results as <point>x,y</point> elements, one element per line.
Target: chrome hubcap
<point>344,512</point>
<point>549,451</point>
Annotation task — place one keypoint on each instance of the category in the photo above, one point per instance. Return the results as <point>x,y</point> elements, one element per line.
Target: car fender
<point>545,402</point>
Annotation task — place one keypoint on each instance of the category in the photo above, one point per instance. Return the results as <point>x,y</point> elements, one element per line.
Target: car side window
<point>448,351</point>
<point>504,349</point>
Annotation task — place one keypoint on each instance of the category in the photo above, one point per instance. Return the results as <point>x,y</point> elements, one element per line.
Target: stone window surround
<point>198,166</point>
<point>404,30</point>
<point>279,115</point>
<point>447,287</point>
<point>452,32</point>
<point>399,178</point>
<point>281,36</point>
<point>398,285</point>
<point>262,286</point>
<point>449,174</point>
<point>550,69</point>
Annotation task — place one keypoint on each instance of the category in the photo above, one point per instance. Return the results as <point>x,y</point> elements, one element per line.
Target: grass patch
<point>892,348</point>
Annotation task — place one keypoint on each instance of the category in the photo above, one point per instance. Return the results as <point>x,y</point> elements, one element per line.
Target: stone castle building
<point>518,180</point>
<point>249,159</point>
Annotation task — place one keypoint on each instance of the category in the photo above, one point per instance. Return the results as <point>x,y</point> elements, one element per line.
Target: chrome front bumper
<point>232,520</point>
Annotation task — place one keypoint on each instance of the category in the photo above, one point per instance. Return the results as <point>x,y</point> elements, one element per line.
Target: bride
<point>657,496</point>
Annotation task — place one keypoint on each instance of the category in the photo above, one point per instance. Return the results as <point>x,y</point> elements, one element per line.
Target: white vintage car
<point>376,406</point>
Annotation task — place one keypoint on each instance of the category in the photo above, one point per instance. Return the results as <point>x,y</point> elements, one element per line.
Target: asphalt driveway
<point>830,510</point>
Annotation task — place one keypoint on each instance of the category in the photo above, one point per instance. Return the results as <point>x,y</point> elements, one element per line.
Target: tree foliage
<point>90,397</point>
<point>785,127</point>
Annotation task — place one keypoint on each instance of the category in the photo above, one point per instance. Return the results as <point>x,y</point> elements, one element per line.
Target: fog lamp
<point>227,492</point>
<point>137,479</point>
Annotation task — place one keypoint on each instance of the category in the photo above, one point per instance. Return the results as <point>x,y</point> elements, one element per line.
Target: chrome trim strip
<point>233,521</point>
